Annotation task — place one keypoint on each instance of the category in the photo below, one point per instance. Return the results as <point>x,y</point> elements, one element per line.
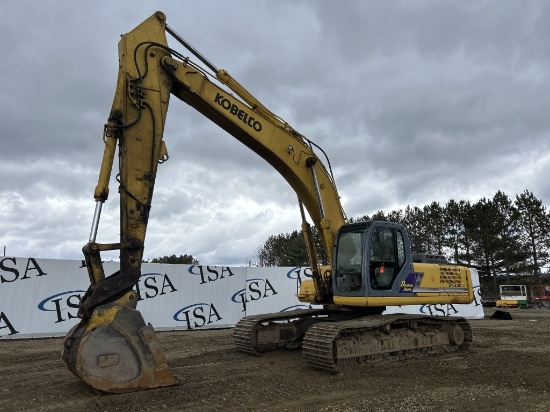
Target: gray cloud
<point>413,102</point>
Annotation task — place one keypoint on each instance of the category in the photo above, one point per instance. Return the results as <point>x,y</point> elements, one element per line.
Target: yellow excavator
<point>370,265</point>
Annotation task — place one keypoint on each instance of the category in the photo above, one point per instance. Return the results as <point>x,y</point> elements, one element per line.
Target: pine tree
<point>510,256</point>
<point>434,227</point>
<point>454,240</point>
<point>534,227</point>
<point>177,260</point>
<point>413,220</point>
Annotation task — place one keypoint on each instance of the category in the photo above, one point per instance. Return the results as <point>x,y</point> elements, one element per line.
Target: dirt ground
<point>508,369</point>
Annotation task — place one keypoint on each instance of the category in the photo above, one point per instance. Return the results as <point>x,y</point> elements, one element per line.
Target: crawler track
<point>332,339</point>
<point>261,333</point>
<point>378,339</point>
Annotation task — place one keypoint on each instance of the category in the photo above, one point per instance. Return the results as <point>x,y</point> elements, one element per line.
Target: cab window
<point>401,257</point>
<point>387,256</point>
<point>349,255</point>
<point>349,262</point>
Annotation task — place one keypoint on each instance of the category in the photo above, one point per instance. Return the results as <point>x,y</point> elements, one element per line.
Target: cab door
<point>349,262</point>
<point>386,255</point>
<point>371,259</point>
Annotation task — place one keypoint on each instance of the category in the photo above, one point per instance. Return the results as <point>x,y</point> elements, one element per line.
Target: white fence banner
<point>40,297</point>
<point>189,297</point>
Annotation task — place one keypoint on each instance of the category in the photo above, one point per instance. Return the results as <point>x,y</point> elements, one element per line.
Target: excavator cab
<point>374,267</point>
<point>370,257</point>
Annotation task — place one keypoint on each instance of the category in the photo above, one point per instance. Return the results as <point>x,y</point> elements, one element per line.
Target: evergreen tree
<point>294,251</point>
<point>268,253</point>
<point>413,220</point>
<point>288,249</point>
<point>534,228</point>
<point>510,256</point>
<point>378,216</point>
<point>395,216</point>
<point>485,225</point>
<point>455,241</point>
<point>177,260</point>
<point>434,228</point>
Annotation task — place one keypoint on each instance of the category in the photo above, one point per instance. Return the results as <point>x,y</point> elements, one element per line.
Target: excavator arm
<point>112,337</point>
<point>112,349</point>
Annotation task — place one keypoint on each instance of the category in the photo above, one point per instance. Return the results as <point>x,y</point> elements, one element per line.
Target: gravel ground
<point>506,370</point>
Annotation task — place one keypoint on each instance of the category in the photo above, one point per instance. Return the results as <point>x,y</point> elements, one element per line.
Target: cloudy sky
<point>412,101</point>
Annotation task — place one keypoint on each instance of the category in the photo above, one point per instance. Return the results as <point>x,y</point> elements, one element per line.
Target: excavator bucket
<point>115,351</point>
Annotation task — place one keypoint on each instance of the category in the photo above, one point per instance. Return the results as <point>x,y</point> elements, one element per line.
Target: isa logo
<point>198,315</point>
<point>447,309</point>
<point>151,285</point>
<point>298,272</point>
<point>209,274</point>
<point>255,289</point>
<point>64,304</point>
<point>9,271</point>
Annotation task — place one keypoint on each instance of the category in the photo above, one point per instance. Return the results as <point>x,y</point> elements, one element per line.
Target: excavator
<point>368,265</point>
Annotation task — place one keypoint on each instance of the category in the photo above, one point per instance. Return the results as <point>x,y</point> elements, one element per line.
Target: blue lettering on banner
<point>210,273</point>
<point>5,321</point>
<point>9,273</point>
<point>198,315</point>
<point>477,295</point>
<point>293,307</point>
<point>255,289</point>
<point>439,310</point>
<point>296,272</point>
<point>152,285</point>
<point>61,302</point>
